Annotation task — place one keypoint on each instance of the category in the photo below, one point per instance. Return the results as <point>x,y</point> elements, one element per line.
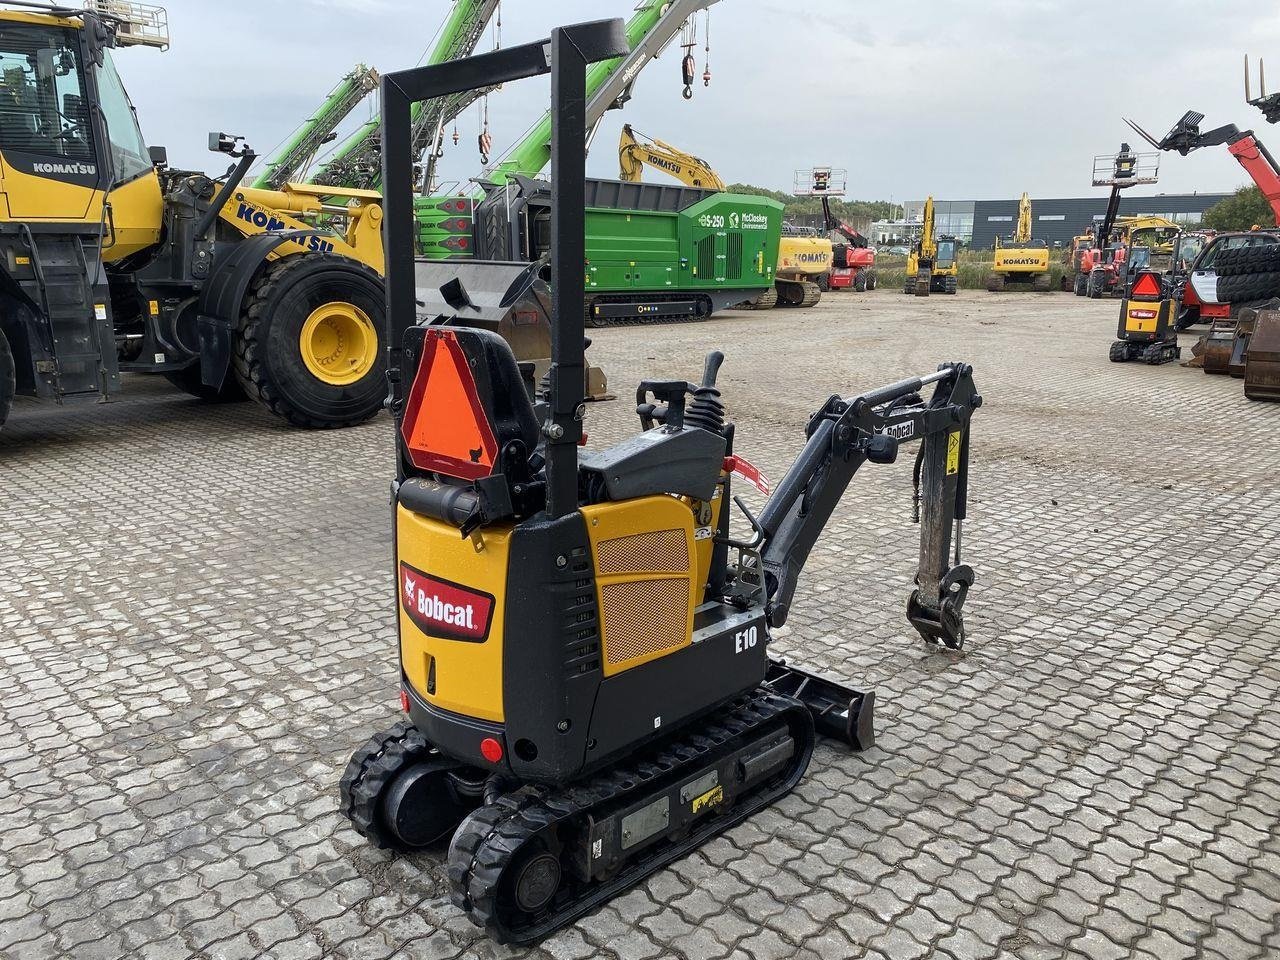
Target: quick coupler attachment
<point>839,712</point>
<point>941,621</point>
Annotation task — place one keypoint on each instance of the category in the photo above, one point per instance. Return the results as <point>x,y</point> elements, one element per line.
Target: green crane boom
<point>654,24</point>
<point>357,161</point>
<point>296,152</point>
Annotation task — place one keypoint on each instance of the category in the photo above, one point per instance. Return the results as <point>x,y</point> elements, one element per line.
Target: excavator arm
<point>1022,236</point>
<point>634,154</point>
<point>928,238</point>
<point>844,435</point>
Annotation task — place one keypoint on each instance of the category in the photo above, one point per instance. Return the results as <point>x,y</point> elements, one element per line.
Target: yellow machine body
<point>455,675</point>
<point>650,558</point>
<point>804,257</point>
<point>1021,259</point>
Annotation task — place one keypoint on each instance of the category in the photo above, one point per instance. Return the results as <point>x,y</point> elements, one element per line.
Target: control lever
<point>673,392</point>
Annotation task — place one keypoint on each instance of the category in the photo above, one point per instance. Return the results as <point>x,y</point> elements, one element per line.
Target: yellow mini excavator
<point>583,641</point>
<point>932,265</point>
<point>804,258</point>
<point>1021,260</point>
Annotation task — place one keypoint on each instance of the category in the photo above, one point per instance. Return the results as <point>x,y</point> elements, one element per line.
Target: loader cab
<point>59,155</point>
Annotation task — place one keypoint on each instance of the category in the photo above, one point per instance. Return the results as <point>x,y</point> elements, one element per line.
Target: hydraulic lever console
<point>843,435</point>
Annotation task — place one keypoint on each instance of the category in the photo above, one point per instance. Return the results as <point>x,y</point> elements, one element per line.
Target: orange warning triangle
<point>1147,286</point>
<point>445,427</point>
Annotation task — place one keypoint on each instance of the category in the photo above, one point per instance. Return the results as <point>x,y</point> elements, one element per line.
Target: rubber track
<point>493,837</point>
<point>767,300</point>
<point>370,771</point>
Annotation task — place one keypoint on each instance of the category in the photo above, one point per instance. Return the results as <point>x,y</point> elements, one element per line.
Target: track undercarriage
<point>525,859</point>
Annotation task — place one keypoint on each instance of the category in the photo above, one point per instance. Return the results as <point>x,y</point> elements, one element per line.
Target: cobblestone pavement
<point>195,630</point>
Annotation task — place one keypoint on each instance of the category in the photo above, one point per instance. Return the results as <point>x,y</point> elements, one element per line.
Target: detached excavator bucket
<point>1262,362</point>
<point>1216,351</point>
<point>507,298</point>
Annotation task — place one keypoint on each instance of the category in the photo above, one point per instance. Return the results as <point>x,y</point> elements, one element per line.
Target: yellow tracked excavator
<point>1021,260</point>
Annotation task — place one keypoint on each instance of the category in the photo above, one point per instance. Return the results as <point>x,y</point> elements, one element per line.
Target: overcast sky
<point>974,100</point>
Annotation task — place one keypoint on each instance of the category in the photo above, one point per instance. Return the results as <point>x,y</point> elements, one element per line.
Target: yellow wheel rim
<point>339,343</point>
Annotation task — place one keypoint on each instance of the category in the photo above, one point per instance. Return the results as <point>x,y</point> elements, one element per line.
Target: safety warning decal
<point>953,452</point>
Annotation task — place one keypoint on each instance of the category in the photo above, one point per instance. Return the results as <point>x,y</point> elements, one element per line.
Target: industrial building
<point>979,222</point>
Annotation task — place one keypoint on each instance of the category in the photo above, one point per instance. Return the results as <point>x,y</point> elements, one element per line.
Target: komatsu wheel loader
<point>583,641</point>
<point>113,263</point>
<point>1021,261</point>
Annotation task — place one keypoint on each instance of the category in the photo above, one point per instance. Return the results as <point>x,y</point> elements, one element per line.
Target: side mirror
<point>159,156</point>
<point>224,142</point>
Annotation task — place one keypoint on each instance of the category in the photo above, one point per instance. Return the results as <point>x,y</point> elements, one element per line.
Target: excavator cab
<point>948,247</point>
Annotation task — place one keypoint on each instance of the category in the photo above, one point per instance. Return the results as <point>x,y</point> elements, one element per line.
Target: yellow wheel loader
<point>114,263</point>
<point>1021,261</point>
<point>583,641</point>
<point>804,258</point>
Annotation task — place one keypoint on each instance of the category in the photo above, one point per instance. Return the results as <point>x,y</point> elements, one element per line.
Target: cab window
<point>43,106</point>
<point>129,156</point>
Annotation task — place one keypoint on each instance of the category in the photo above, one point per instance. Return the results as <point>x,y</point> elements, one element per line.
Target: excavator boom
<point>634,153</point>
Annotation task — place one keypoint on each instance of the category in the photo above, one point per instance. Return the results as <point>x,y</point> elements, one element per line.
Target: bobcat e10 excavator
<point>583,641</point>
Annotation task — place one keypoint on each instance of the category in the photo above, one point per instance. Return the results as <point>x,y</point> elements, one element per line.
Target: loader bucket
<point>508,299</point>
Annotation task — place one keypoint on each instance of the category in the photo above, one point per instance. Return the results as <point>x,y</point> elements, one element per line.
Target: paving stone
<point>1093,777</point>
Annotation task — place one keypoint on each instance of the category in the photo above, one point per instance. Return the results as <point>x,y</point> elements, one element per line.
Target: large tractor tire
<point>8,378</point>
<point>1248,261</point>
<point>188,381</point>
<point>1080,286</point>
<point>1096,286</point>
<point>1240,287</point>
<point>860,282</point>
<point>871,279</point>
<point>309,344</point>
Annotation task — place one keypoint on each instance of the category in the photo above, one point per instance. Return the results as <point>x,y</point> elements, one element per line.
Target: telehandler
<point>583,640</point>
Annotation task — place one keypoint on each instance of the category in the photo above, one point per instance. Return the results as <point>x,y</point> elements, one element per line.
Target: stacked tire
<point>1247,275</point>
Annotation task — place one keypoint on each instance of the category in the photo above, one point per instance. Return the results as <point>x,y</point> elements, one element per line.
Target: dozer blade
<point>839,712</point>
